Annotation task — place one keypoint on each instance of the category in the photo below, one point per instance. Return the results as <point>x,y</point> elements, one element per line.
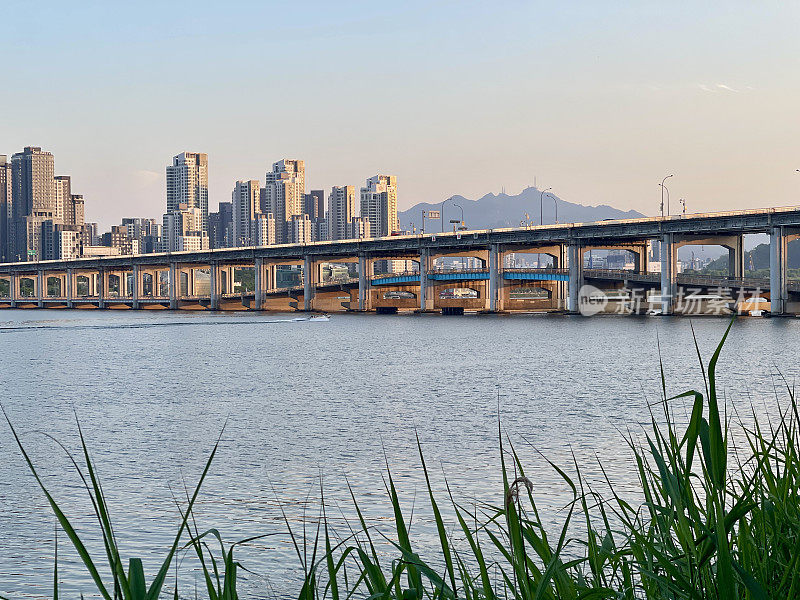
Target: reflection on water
<point>305,400</point>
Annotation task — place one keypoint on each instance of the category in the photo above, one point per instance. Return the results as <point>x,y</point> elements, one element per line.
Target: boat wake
<point>9,327</point>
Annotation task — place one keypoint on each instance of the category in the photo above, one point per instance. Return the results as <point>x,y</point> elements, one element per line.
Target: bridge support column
<point>216,273</point>
<point>669,273</point>
<point>13,289</point>
<point>778,295</point>
<point>137,286</point>
<point>102,286</point>
<point>70,288</point>
<point>258,270</point>
<point>495,283</point>
<point>364,282</point>
<point>309,283</point>
<point>40,289</point>
<point>174,284</point>
<point>736,257</point>
<point>575,260</point>
<point>640,254</point>
<point>425,290</point>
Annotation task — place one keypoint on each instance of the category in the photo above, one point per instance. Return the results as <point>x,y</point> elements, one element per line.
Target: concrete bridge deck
<point>207,277</point>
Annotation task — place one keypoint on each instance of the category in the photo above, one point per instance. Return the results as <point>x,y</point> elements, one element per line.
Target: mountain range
<point>502,210</point>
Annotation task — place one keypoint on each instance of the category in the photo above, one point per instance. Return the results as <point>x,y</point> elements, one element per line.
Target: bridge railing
<point>544,270</point>
<point>622,274</point>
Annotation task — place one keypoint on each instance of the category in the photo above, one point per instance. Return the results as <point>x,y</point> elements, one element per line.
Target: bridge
<point>208,279</point>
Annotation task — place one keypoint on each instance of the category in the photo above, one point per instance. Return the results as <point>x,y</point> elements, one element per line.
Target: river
<point>306,401</point>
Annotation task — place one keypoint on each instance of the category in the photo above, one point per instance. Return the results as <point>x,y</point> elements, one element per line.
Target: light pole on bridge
<point>442,211</point>
<point>664,187</point>
<point>541,203</point>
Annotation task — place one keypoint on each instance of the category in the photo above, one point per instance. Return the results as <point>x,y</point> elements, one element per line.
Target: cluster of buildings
<point>41,219</point>
<point>282,212</point>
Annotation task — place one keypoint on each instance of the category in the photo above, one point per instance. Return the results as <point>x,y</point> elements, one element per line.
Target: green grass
<point>711,522</point>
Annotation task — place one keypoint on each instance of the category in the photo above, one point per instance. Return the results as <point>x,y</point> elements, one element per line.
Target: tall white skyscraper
<point>284,194</point>
<point>246,200</point>
<point>187,183</point>
<point>379,205</point>
<point>341,210</point>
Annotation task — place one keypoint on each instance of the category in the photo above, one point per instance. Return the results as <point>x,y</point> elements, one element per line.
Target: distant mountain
<point>501,210</point>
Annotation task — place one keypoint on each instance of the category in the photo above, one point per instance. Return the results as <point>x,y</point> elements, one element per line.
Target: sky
<point>598,100</point>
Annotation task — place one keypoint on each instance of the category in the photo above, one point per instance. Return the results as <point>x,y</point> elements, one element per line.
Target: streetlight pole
<point>462,211</point>
<point>663,187</point>
<point>442,211</point>
<point>683,203</point>
<point>541,202</point>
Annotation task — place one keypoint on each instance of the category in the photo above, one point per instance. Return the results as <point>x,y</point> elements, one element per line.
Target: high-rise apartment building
<point>78,212</point>
<point>66,242</point>
<point>187,183</point>
<point>33,201</point>
<point>181,230</point>
<point>5,206</point>
<point>284,194</point>
<point>63,199</point>
<point>146,232</point>
<point>122,238</point>
<point>220,226</point>
<point>341,210</point>
<point>300,230</point>
<point>379,205</point>
<point>264,230</point>
<point>314,205</point>
<point>358,228</point>
<point>89,235</point>
<point>246,202</point>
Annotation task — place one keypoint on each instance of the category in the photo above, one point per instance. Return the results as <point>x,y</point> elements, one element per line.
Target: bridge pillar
<point>137,286</point>
<point>258,270</point>
<point>364,282</point>
<point>426,290</point>
<point>216,273</point>
<point>70,291</point>
<point>736,257</point>
<point>495,283</point>
<point>174,284</point>
<point>562,287</point>
<point>309,282</point>
<point>778,294</point>
<point>13,289</point>
<point>40,289</point>
<point>669,273</point>
<point>102,286</point>
<point>575,259</point>
<point>640,254</point>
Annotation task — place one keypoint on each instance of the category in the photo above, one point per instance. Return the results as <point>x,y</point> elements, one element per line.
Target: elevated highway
<point>206,279</point>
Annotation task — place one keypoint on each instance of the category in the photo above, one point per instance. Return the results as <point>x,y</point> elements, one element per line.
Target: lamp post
<point>541,202</point>
<point>442,215</point>
<point>664,187</point>
<point>462,212</point>
<point>683,203</point>
<point>555,206</point>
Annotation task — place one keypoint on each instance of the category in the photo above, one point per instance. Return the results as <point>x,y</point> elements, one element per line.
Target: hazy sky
<point>598,100</point>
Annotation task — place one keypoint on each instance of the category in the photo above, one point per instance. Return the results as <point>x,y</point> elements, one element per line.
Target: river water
<point>333,401</point>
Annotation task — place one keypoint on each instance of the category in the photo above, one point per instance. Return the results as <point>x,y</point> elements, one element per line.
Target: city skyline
<point>493,96</point>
